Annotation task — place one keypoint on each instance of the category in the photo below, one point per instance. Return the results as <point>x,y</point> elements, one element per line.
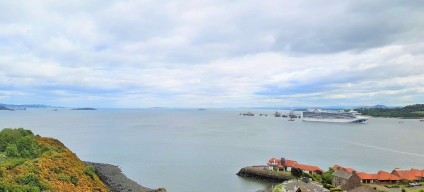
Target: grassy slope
<point>57,166</point>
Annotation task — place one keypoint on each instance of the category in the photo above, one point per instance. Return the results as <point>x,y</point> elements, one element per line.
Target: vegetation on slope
<point>411,111</point>
<point>30,163</point>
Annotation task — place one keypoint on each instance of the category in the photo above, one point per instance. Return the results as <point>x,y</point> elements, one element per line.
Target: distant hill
<point>13,106</point>
<point>379,107</point>
<point>410,111</point>
<point>5,108</point>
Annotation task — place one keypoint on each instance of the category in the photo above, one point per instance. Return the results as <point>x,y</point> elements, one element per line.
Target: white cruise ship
<point>333,116</point>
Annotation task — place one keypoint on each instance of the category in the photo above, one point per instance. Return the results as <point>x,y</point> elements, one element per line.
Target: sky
<point>212,53</point>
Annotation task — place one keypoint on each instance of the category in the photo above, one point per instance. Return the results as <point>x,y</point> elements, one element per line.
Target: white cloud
<point>211,53</point>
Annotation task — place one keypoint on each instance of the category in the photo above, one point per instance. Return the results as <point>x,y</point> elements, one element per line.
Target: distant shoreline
<point>84,108</point>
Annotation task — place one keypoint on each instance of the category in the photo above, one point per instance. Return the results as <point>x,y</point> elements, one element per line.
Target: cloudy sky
<point>211,53</point>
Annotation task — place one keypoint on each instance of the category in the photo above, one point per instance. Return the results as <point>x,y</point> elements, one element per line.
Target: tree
<point>296,172</point>
<point>327,177</point>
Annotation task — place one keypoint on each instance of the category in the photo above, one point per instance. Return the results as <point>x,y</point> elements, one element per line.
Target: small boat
<point>277,114</point>
<point>247,114</point>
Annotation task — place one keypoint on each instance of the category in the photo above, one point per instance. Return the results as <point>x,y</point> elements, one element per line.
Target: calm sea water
<point>192,150</point>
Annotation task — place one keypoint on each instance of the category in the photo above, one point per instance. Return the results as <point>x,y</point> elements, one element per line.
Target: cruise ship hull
<point>317,115</point>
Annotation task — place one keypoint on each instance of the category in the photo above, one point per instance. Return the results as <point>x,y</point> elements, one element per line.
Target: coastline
<point>116,181</point>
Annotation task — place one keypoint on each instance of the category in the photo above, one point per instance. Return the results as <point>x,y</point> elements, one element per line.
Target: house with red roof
<point>386,177</point>
<point>367,178</point>
<point>287,165</point>
<point>309,168</point>
<point>383,177</point>
<point>413,174</point>
<point>275,164</point>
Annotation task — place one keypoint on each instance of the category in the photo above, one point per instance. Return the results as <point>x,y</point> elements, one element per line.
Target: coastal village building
<point>346,180</point>
<point>386,177</point>
<point>287,165</point>
<point>367,178</point>
<point>413,174</point>
<point>383,177</point>
<point>275,164</point>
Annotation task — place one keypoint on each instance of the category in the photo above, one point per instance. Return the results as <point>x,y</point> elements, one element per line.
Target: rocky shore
<point>260,172</point>
<point>113,177</point>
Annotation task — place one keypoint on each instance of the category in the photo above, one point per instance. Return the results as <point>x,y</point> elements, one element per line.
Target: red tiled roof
<point>366,176</point>
<point>336,167</point>
<point>417,172</point>
<point>385,176</point>
<point>308,167</point>
<point>413,174</point>
<point>275,162</point>
<point>290,163</point>
<point>272,160</point>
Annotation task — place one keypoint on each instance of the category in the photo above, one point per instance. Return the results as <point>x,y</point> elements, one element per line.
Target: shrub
<point>74,180</point>
<point>3,187</point>
<point>11,136</point>
<point>12,163</point>
<point>327,177</point>
<point>32,180</point>
<point>403,189</point>
<point>57,156</point>
<point>57,170</point>
<point>12,150</point>
<point>328,186</point>
<point>335,189</point>
<point>90,171</point>
<point>29,179</point>
<point>64,177</point>
<point>317,177</point>
<point>406,182</point>
<point>28,146</point>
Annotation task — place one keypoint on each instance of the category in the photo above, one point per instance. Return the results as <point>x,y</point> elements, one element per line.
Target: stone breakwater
<point>113,177</point>
<point>260,172</point>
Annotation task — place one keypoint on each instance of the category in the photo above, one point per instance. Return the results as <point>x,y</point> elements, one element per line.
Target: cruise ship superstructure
<point>333,116</point>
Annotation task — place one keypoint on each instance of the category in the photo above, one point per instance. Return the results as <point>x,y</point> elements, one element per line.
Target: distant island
<point>84,108</point>
<point>410,111</point>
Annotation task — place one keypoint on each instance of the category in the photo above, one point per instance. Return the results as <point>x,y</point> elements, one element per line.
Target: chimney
<point>283,161</point>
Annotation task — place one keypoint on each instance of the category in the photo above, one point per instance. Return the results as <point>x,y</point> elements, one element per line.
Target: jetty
<point>261,172</point>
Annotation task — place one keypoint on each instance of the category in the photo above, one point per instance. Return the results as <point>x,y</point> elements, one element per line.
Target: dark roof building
<point>301,186</point>
<point>346,180</point>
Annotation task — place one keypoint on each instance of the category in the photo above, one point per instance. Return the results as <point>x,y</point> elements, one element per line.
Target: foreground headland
<point>29,162</point>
